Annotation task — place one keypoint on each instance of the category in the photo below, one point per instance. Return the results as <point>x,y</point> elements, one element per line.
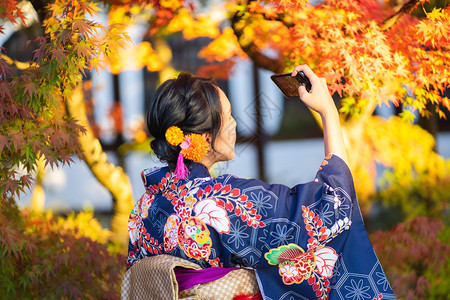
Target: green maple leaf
<point>407,116</point>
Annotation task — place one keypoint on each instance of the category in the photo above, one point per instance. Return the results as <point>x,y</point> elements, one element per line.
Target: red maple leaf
<point>3,142</point>
<point>58,53</point>
<point>4,68</point>
<point>29,88</point>
<point>17,141</point>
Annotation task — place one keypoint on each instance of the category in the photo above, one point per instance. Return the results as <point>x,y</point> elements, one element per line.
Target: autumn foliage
<point>369,53</point>
<point>414,257</point>
<point>45,256</point>
<point>33,122</point>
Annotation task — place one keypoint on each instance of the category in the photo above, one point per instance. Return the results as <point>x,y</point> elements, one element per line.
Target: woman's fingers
<point>318,98</point>
<point>307,71</point>
<point>302,92</point>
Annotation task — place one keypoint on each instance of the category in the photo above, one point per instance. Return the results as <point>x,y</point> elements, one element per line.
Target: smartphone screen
<point>289,85</point>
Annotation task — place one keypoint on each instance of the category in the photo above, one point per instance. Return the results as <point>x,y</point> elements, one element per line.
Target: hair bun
<point>163,150</point>
<point>189,102</point>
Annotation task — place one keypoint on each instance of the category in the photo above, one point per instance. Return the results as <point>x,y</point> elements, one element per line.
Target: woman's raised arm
<point>320,100</point>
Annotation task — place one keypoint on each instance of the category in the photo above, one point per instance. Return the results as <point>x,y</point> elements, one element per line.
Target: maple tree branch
<point>258,58</point>
<point>286,20</point>
<point>15,63</point>
<point>407,8</point>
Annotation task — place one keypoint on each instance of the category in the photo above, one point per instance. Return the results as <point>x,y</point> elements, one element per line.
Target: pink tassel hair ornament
<point>181,170</point>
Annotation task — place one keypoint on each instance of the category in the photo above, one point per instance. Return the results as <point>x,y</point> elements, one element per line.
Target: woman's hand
<point>319,98</point>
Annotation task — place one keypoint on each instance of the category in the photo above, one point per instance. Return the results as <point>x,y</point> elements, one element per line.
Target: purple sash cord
<point>188,278</point>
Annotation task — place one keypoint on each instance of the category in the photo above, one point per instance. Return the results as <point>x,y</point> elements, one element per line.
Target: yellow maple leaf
<point>223,47</point>
<point>180,21</point>
<point>201,25</point>
<point>171,4</point>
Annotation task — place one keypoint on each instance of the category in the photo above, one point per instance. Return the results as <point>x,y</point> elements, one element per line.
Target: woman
<point>305,242</point>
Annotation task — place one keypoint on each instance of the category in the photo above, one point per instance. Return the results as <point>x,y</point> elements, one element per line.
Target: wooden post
<point>260,136</point>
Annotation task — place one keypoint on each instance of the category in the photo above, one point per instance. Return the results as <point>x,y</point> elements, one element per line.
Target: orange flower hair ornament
<point>193,146</point>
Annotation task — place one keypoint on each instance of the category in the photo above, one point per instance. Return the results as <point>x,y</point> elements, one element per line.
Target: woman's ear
<point>208,137</point>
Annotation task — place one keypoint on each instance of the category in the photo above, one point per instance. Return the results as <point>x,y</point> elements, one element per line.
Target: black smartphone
<point>289,85</point>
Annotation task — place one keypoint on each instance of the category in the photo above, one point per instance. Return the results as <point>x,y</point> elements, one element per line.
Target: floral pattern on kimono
<point>305,242</point>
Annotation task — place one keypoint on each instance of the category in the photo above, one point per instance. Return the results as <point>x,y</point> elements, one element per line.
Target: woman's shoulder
<point>251,187</point>
<point>332,172</point>
<point>335,172</point>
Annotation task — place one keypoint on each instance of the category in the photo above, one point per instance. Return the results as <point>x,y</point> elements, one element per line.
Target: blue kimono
<point>305,242</point>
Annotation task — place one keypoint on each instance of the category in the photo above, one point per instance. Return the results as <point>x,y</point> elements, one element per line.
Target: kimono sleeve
<point>313,213</point>
<point>321,251</point>
<point>276,219</point>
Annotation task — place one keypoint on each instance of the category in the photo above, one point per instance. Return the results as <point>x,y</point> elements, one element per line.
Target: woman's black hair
<point>189,102</point>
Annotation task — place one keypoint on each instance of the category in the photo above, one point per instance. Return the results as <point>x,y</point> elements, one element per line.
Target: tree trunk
<point>109,175</point>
